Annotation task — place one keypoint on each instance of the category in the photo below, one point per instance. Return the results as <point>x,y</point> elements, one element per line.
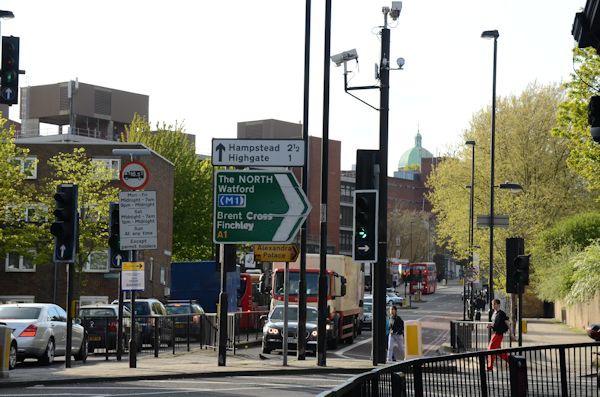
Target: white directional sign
<point>132,276</point>
<point>258,152</point>
<point>137,220</point>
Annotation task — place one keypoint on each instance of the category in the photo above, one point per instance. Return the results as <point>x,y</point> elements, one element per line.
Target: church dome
<point>411,159</point>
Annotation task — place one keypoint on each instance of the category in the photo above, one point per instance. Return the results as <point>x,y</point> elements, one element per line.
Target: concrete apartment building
<point>100,115</point>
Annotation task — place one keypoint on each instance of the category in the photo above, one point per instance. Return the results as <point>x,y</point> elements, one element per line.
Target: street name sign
<point>132,276</point>
<point>137,220</point>
<point>258,152</point>
<point>276,253</point>
<point>254,207</point>
<point>499,221</point>
<point>134,175</point>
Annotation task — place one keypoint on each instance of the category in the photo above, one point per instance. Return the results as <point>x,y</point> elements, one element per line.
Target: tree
<point>20,229</point>
<point>584,156</point>
<point>409,235</point>
<point>527,153</point>
<point>192,212</point>
<point>94,196</point>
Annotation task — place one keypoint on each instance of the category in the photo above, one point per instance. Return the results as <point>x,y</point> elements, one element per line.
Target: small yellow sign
<point>276,253</point>
<point>133,266</point>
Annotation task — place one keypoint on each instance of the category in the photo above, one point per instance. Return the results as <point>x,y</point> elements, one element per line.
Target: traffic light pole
<point>322,300</point>
<point>132,340</point>
<point>120,335</point>
<point>301,354</point>
<point>70,271</point>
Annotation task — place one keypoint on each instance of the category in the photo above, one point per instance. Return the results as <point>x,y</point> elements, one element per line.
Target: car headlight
<point>328,327</point>
<point>273,331</point>
<point>314,333</point>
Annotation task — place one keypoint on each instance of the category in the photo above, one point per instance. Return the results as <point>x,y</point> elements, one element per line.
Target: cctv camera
<point>396,8</point>
<point>345,56</point>
<point>400,62</point>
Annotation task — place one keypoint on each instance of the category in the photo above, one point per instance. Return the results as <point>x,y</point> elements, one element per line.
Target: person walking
<point>396,335</point>
<point>499,325</point>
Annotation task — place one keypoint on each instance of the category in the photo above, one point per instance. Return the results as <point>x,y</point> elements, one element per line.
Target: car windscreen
<point>178,309</point>
<point>141,308</point>
<point>19,313</point>
<point>277,315</point>
<point>368,308</point>
<point>101,312</point>
<point>312,283</point>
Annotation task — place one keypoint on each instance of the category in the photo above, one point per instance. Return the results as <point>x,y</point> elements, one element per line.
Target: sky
<point>212,64</point>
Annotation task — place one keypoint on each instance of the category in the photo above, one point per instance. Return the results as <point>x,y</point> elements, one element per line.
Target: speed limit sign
<point>134,175</point>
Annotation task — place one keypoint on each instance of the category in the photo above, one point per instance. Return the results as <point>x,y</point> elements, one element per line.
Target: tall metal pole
<point>286,298</point>
<point>491,288</point>
<point>132,333</point>
<point>70,295</point>
<point>471,214</point>
<point>322,301</point>
<point>379,345</point>
<point>301,354</point>
<point>222,351</point>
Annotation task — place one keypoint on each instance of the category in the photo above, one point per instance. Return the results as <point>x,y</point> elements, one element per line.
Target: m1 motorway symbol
<point>258,152</point>
<point>254,207</point>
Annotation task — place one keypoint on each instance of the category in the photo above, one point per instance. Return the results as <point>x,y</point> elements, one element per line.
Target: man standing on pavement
<point>499,326</point>
<point>396,335</point>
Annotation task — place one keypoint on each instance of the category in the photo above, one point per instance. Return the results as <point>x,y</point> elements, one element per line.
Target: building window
<point>346,215</point>
<point>163,275</point>
<point>92,300</point>
<point>114,165</point>
<point>346,192</point>
<point>97,262</point>
<point>16,299</point>
<point>345,241</point>
<point>36,213</point>
<point>19,263</point>
<point>28,166</point>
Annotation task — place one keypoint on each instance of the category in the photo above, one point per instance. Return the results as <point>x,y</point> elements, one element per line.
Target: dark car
<point>186,312</point>
<point>593,331</point>
<point>148,312</point>
<point>101,323</point>
<point>273,329</point>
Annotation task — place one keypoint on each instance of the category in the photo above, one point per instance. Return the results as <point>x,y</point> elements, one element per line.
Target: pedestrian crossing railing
<point>547,370</point>
<point>472,336</point>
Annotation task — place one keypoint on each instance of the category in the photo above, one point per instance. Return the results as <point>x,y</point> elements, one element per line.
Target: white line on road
<point>353,346</point>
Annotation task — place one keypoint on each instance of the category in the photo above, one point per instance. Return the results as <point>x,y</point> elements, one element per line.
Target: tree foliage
<point>584,156</point>
<point>527,153</point>
<point>409,235</point>
<point>192,212</point>
<point>586,274</point>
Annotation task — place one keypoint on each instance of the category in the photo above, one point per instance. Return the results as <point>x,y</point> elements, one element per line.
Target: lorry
<point>345,293</point>
<point>201,281</point>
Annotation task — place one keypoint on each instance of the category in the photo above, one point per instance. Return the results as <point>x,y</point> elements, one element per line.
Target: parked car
<point>151,311</point>
<point>273,329</point>
<point>186,311</point>
<point>101,323</point>
<point>593,331</point>
<point>391,298</point>
<point>12,355</point>
<point>367,322</point>
<point>41,331</point>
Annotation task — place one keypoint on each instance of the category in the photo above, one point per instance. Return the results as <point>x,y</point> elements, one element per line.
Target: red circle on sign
<point>133,174</point>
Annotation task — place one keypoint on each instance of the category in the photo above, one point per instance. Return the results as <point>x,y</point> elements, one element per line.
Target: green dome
<point>411,159</point>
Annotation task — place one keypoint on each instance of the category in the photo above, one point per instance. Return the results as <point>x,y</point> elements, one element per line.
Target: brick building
<point>21,281</point>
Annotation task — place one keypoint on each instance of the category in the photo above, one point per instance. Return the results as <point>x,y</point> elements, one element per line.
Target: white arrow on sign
<point>364,248</point>
<point>62,251</point>
<point>296,208</point>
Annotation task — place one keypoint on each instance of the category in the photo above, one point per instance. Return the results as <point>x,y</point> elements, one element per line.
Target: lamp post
<point>492,34</point>
<point>472,192</point>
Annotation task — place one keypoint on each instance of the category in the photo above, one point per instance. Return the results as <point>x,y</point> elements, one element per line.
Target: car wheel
<point>48,357</point>
<point>265,349</point>
<point>12,358</point>
<point>83,351</point>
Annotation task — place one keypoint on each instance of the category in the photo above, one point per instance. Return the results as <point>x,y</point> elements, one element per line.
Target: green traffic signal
<point>362,233</point>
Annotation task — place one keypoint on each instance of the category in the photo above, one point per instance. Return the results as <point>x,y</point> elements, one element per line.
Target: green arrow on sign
<point>252,207</point>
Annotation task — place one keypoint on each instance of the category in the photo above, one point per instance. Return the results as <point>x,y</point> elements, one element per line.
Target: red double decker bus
<point>424,277</point>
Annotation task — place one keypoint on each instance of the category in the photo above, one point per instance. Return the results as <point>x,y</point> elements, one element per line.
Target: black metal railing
<point>173,333</point>
<point>551,370</point>
<point>468,336</point>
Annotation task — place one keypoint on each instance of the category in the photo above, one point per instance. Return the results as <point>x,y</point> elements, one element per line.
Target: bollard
<point>398,384</point>
<point>517,367</point>
<point>524,325</point>
<point>4,350</point>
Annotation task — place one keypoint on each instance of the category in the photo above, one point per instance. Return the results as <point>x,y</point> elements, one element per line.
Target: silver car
<point>41,331</point>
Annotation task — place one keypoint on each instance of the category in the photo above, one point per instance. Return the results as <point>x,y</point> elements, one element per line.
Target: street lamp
<point>472,188</point>
<point>492,34</point>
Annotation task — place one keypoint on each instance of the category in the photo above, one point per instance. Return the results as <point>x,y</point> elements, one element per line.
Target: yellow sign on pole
<point>133,265</point>
<point>276,253</point>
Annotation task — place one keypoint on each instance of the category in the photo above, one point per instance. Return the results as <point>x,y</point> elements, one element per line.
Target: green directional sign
<point>253,207</point>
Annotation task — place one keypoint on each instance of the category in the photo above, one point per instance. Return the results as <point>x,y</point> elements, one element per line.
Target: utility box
<point>517,367</point>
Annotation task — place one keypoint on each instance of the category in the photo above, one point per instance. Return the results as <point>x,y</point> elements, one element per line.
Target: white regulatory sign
<point>134,175</point>
<point>258,152</point>
<point>132,276</point>
<point>137,220</point>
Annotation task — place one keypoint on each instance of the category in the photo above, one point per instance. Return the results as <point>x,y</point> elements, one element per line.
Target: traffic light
<point>115,254</point>
<point>514,248</point>
<point>366,209</point>
<point>522,269</point>
<point>65,227</point>
<point>9,88</point>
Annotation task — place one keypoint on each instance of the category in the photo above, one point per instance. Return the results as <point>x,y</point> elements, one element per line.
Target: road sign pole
<point>222,359</point>
<point>132,341</point>
<point>286,297</point>
<point>120,335</point>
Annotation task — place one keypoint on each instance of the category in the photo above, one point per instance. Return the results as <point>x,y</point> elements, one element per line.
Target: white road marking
<point>353,346</point>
